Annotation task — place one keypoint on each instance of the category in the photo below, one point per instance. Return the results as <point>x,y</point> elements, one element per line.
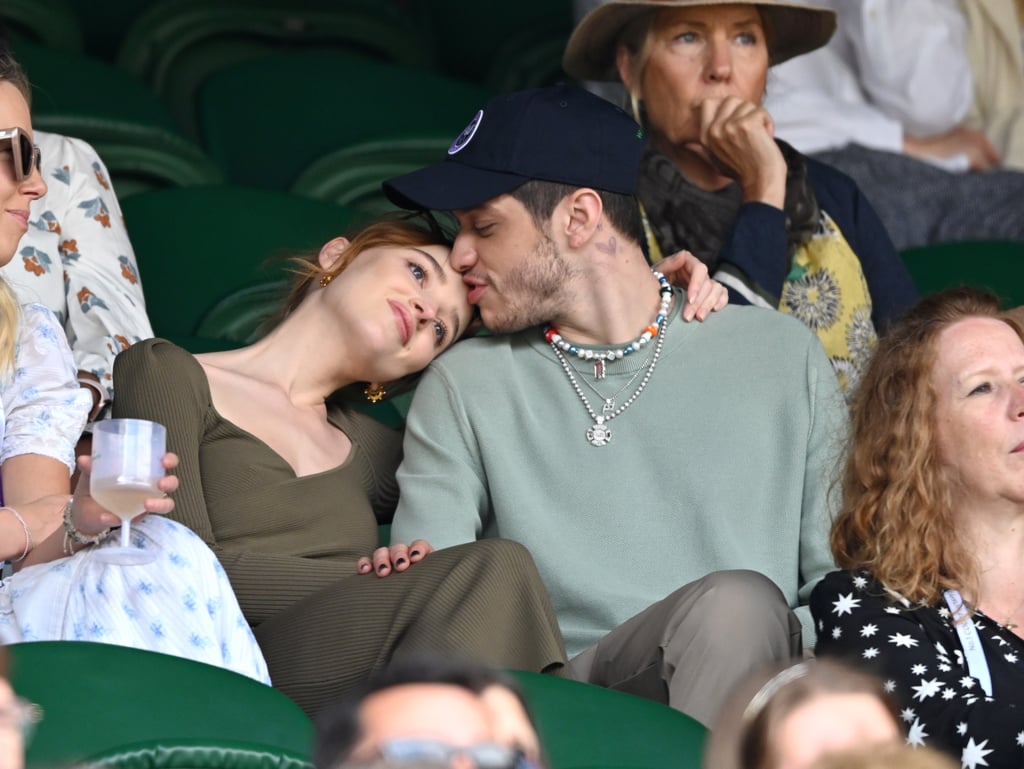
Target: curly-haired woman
<point>931,533</point>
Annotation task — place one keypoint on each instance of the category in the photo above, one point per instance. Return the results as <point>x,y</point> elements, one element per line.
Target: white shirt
<point>892,67</point>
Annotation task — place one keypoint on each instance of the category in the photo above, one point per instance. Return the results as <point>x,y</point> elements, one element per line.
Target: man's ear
<point>331,252</point>
<point>584,209</point>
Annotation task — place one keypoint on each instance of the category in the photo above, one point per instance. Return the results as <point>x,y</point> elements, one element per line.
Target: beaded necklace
<point>599,434</point>
<point>600,356</point>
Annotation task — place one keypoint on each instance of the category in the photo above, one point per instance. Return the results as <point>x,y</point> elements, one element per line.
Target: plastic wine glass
<point>127,464</point>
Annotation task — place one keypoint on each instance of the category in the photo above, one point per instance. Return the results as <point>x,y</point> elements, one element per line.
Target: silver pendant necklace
<point>608,402</point>
<point>599,434</point>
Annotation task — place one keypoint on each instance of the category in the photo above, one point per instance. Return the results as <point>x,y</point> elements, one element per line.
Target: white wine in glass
<point>127,464</point>
<point>125,500</point>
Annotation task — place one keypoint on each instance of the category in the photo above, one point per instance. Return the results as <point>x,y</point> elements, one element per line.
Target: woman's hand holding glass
<point>126,468</point>
<point>90,517</point>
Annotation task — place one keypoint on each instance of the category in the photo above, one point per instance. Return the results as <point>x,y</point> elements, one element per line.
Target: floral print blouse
<point>77,260</point>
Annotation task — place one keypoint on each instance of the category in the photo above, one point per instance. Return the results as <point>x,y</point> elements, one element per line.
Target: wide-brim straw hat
<point>794,28</point>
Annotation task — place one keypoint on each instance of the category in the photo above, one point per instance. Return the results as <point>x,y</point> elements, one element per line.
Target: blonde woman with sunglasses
<point>54,584</point>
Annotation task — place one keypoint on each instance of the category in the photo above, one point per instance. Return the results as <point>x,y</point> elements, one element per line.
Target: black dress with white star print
<point>917,653</point>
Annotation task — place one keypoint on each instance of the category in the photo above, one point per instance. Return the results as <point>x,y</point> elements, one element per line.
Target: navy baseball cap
<point>558,134</point>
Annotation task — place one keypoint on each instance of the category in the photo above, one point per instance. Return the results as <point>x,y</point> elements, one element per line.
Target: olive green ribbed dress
<point>289,546</point>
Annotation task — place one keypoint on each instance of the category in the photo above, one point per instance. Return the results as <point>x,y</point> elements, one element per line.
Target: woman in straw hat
<point>779,229</point>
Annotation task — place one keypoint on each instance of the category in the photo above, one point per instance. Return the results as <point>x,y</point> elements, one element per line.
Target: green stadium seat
<point>994,265</point>
<point>206,257</point>
<point>531,61</point>
<point>241,317</point>
<point>122,708</point>
<point>113,706</point>
<point>352,176</point>
<point>104,24</point>
<point>178,44</point>
<point>79,96</point>
<point>322,102</point>
<point>52,23</point>
<point>582,725</point>
<point>503,46</point>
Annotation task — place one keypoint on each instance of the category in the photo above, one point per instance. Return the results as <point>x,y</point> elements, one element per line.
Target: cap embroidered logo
<point>467,134</point>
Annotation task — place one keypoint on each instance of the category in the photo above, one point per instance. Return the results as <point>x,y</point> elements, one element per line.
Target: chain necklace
<point>1009,625</point>
<point>600,356</point>
<point>599,434</point>
<point>609,401</point>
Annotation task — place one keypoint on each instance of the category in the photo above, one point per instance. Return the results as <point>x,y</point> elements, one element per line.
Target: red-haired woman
<point>931,532</point>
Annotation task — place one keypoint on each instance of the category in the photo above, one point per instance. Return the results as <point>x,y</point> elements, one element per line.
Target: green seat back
<point>352,176</point>
<point>531,59</point>
<point>52,23</point>
<point>322,102</point>
<point>104,24</point>
<point>483,42</point>
<point>79,96</point>
<point>994,265</point>
<point>242,317</point>
<point>197,246</point>
<point>109,703</point>
<point>178,44</point>
<point>582,725</point>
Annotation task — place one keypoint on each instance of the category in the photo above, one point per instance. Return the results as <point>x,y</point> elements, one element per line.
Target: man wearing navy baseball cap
<point>560,134</point>
<point>669,478</point>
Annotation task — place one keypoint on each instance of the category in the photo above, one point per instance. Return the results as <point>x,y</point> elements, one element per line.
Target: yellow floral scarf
<point>827,292</point>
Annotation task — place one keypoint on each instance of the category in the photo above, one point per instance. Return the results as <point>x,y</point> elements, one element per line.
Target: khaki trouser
<point>691,649</point>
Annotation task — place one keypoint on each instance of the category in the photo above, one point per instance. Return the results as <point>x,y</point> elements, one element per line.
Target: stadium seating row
<point>471,41</point>
<point>152,710</point>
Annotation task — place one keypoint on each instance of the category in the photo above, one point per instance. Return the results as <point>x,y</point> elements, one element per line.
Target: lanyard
<point>977,665</point>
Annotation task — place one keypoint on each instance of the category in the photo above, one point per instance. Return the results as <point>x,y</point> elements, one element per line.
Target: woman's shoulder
<point>856,586</point>
<point>160,349</point>
<point>38,320</point>
<point>156,358</point>
<point>844,579</point>
<point>42,341</point>
<point>854,582</point>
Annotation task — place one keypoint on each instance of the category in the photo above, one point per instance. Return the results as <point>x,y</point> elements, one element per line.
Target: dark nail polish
<point>399,562</point>
<point>382,568</point>
<point>414,552</point>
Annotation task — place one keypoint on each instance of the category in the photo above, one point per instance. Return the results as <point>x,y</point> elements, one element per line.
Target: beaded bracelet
<point>29,544</point>
<point>74,534</point>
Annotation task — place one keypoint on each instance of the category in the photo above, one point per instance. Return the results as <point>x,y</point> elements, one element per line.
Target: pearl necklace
<point>599,434</point>
<point>600,356</point>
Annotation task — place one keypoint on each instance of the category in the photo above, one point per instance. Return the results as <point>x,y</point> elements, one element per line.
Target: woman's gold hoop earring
<point>374,392</point>
<point>326,278</point>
